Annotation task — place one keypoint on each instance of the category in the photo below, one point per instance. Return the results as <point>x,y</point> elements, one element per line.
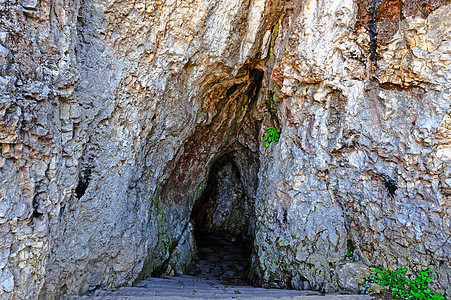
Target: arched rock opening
<point>223,218</point>
<point>223,151</point>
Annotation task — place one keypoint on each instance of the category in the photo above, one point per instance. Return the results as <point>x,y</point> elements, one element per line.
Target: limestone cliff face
<point>112,114</point>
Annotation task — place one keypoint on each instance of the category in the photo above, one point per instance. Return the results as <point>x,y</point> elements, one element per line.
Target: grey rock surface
<point>352,276</point>
<point>112,113</point>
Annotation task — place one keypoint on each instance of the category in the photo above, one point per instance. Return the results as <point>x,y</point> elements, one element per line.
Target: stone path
<point>219,272</point>
<point>190,287</point>
<point>219,259</point>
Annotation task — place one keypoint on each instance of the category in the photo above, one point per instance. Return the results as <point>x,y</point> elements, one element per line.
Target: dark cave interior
<point>222,218</point>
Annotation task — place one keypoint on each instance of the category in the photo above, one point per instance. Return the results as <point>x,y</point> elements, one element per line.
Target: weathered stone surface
<point>182,254</point>
<point>7,280</point>
<point>359,154</point>
<point>352,276</point>
<point>113,112</point>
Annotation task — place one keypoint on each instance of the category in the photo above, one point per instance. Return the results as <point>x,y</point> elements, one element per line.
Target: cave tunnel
<point>223,219</point>
<point>219,166</point>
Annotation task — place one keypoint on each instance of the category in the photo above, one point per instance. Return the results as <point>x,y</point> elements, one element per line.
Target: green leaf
<point>401,271</point>
<point>271,136</point>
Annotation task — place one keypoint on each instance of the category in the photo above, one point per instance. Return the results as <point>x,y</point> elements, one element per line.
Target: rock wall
<point>38,118</point>
<point>113,112</point>
<point>362,162</point>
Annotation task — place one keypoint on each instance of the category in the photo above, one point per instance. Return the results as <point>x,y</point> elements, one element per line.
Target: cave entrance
<point>223,218</point>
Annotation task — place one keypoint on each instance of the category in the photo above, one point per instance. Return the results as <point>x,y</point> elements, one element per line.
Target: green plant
<point>402,287</point>
<point>271,136</point>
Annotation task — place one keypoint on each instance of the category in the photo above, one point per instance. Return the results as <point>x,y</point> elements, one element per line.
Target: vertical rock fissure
<point>372,28</point>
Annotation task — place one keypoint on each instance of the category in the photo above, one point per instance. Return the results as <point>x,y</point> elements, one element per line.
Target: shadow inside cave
<point>221,259</point>
<point>223,217</point>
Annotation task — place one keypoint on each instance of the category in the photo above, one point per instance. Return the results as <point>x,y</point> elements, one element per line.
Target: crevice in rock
<point>35,204</point>
<point>372,28</point>
<point>83,181</point>
<point>85,175</point>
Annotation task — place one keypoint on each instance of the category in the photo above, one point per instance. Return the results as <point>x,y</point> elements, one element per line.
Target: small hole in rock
<point>390,185</point>
<point>83,182</point>
<point>35,204</point>
<point>285,216</point>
